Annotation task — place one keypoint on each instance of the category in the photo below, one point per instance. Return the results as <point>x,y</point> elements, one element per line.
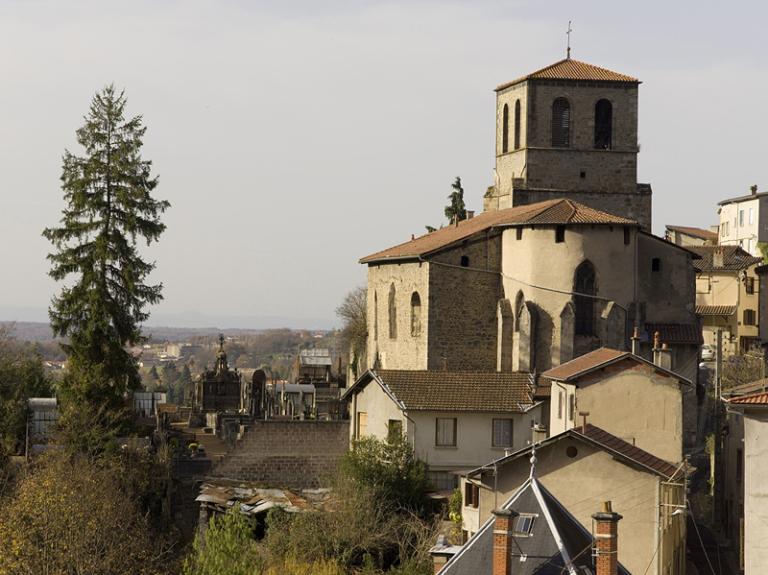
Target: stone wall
<point>463,327</point>
<point>288,454</point>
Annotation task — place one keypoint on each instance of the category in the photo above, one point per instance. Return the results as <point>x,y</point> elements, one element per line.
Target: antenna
<point>568,33</point>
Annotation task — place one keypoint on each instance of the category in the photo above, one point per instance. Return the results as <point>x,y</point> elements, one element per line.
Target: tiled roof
<point>594,360</point>
<point>637,455</point>
<point>422,390</point>
<point>734,258</point>
<point>759,398</point>
<point>584,363</point>
<point>689,333</point>
<point>695,232</point>
<point>603,440</point>
<point>550,212</point>
<point>569,69</point>
<point>747,388</point>
<point>715,310</point>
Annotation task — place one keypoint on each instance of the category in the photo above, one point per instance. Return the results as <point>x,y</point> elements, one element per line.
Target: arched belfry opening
<point>392,305</point>
<point>517,124</point>
<point>603,125</point>
<point>415,314</point>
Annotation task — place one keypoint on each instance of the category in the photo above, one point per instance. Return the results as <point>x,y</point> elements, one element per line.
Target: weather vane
<point>568,33</point>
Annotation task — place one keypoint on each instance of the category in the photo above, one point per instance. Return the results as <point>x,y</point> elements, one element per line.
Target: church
<point>562,260</point>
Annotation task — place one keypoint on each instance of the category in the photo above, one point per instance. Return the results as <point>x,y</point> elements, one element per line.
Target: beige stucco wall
<point>742,229</point>
<point>536,259</point>
<point>733,486</point>
<point>755,492</point>
<point>721,288</point>
<point>638,405</point>
<point>581,484</point>
<point>380,409</point>
<point>473,437</point>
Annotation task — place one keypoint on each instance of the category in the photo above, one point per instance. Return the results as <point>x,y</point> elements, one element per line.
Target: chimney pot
<point>606,540</point>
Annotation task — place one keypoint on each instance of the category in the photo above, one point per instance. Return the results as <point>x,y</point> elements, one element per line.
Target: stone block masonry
<point>287,454</point>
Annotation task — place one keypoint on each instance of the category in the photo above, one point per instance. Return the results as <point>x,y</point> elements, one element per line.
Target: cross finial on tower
<point>568,33</point>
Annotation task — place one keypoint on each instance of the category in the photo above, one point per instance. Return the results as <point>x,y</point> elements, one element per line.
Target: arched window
<point>561,123</point>
<point>517,125</point>
<point>603,125</point>
<point>392,313</point>
<point>584,283</point>
<point>519,301</point>
<point>415,314</point>
<point>505,130</point>
<point>375,316</point>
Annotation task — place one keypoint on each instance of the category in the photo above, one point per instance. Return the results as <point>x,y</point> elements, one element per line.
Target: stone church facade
<point>559,263</point>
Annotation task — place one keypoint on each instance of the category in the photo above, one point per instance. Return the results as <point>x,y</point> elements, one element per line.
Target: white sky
<point>293,138</point>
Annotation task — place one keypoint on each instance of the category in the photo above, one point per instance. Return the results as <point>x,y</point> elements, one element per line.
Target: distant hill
<point>39,331</point>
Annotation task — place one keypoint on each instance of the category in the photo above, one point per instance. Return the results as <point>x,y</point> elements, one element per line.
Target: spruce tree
<point>109,206</point>
<point>456,210</point>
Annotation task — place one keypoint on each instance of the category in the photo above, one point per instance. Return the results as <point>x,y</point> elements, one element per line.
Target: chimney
<point>606,526</point>
<point>753,189</point>
<point>502,541</point>
<point>717,258</point>
<point>439,557</point>
<point>662,355</point>
<point>636,341</point>
<point>470,214</point>
<point>538,433</point>
<point>584,415</point>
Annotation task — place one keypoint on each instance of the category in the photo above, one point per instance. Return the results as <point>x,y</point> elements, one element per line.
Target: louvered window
<point>561,123</point>
<point>603,125</point>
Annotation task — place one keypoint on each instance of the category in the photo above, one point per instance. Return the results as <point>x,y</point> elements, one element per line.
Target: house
<point>626,395</point>
<point>686,236</point>
<point>454,420</point>
<point>533,533</point>
<point>313,366</point>
<point>745,516</point>
<point>744,221</point>
<point>727,296</point>
<point>583,467</point>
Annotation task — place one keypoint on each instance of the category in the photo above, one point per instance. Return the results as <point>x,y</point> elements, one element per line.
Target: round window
<point>571,451</point>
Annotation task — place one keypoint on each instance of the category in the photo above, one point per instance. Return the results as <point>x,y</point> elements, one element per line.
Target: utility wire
<point>701,542</point>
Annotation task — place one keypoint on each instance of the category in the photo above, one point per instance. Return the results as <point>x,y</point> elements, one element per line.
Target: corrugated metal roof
<point>569,69</point>
<point>717,310</point>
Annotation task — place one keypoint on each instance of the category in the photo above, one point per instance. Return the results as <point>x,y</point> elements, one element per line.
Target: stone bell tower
<point>569,131</point>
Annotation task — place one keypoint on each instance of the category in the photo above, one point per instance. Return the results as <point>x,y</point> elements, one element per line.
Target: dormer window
<point>524,524</point>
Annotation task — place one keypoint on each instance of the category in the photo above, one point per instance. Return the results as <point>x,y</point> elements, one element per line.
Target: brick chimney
<point>502,541</point>
<point>606,534</point>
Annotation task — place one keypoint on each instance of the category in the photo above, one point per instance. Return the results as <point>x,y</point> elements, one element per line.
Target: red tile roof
<point>759,398</point>
<point>700,233</point>
<point>717,310</point>
<point>585,363</point>
<point>628,450</point>
<point>601,439</point>
<point>550,212</point>
<point>734,258</point>
<point>569,69</point>
<point>686,333</point>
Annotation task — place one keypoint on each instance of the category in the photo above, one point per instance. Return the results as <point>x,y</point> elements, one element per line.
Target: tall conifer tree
<point>108,192</point>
